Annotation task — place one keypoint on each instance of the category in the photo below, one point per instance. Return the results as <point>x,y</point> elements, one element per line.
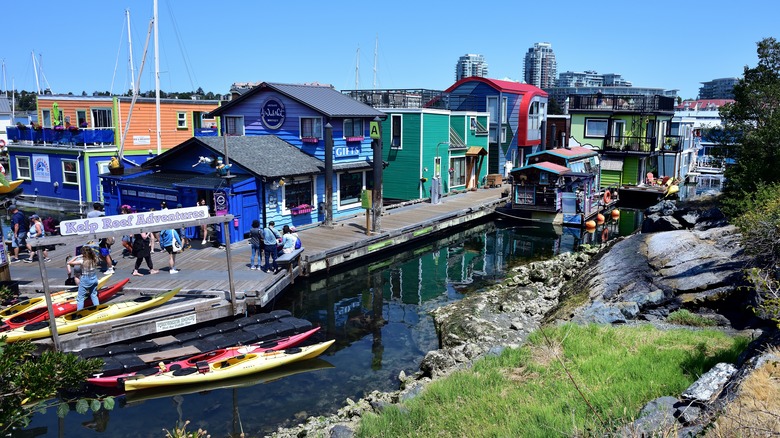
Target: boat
<point>237,366</point>
<point>12,185</point>
<point>304,366</point>
<point>36,302</point>
<point>209,357</point>
<point>645,195</point>
<point>560,186</point>
<point>105,312</point>
<point>41,313</point>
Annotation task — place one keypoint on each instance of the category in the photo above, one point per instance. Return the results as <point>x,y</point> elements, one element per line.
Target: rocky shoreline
<point>683,258</point>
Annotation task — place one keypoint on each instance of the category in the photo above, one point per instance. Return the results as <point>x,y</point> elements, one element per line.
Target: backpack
<point>298,243</point>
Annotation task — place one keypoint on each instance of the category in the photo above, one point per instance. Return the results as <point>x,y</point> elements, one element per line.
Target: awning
<point>611,164</point>
<point>353,165</point>
<point>475,150</point>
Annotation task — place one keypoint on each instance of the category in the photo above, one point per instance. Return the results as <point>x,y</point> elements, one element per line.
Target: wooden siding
<point>402,175</point>
<point>631,170</point>
<point>144,123</point>
<point>611,177</point>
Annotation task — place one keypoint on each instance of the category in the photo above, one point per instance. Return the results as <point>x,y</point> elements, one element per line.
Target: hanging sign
<point>158,219</point>
<point>272,113</point>
<point>374,129</point>
<point>41,168</point>
<point>220,203</point>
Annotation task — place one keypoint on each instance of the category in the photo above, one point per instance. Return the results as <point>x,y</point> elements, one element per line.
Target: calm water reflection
<point>378,312</point>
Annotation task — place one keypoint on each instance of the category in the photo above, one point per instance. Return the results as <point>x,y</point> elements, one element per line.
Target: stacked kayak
<point>41,313</point>
<point>213,356</point>
<point>104,312</point>
<point>36,302</point>
<point>236,366</point>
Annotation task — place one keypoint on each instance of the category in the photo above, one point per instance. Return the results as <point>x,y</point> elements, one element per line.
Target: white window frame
<point>353,120</point>
<point>503,134</point>
<point>590,134</point>
<point>400,124</point>
<point>492,108</point>
<point>72,173</point>
<point>534,121</point>
<point>46,118</point>
<point>95,118</point>
<point>299,180</point>
<point>22,168</point>
<point>472,123</point>
<point>317,126</point>
<point>452,175</point>
<point>239,125</point>
<point>181,120</point>
<point>79,113</point>
<point>338,191</point>
<point>504,107</point>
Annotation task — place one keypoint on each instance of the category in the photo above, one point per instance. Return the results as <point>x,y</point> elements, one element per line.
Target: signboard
<point>220,203</point>
<point>142,140</point>
<point>272,113</point>
<point>365,199</point>
<point>174,323</point>
<point>41,168</point>
<point>374,130</point>
<point>157,219</point>
<point>346,151</point>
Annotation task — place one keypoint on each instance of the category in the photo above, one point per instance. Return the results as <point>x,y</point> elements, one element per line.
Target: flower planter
<point>301,209</point>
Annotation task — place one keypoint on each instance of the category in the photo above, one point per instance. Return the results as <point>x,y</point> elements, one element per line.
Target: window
<point>23,167</point>
<point>534,122</point>
<point>46,116</point>
<point>544,178</point>
<point>81,118</point>
<point>492,106</point>
<point>297,193</point>
<point>618,128</point>
<point>503,134</point>
<point>70,174</point>
<point>311,127</point>
<point>493,136</point>
<point>181,120</point>
<point>504,102</point>
<point>458,174</point>
<point>234,125</point>
<point>101,118</point>
<point>350,187</point>
<point>353,128</point>
<point>473,123</point>
<point>596,128</point>
<point>395,127</point>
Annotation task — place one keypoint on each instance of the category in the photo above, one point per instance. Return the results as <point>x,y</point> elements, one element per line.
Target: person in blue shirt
<point>171,242</point>
<point>20,227</point>
<point>271,240</point>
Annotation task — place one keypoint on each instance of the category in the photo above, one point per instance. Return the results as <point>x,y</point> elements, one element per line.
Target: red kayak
<point>208,357</point>
<point>63,308</point>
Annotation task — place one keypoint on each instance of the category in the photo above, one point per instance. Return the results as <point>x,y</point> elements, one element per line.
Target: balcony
<point>206,132</point>
<point>67,137</point>
<point>621,103</point>
<point>625,144</point>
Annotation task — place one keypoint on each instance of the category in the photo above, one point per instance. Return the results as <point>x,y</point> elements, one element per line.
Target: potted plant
<point>423,180</point>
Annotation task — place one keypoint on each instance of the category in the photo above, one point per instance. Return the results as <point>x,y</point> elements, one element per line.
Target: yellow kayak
<point>12,185</point>
<point>234,367</point>
<point>91,315</point>
<point>36,302</point>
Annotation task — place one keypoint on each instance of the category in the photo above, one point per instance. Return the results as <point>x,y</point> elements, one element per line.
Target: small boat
<point>12,185</point>
<point>36,302</point>
<point>237,366</point>
<point>60,308</point>
<point>105,312</point>
<point>209,357</point>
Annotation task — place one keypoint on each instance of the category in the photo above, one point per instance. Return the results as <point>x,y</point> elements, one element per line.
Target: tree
<point>754,121</point>
<point>553,107</point>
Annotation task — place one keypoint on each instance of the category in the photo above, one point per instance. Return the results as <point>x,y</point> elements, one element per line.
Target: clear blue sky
<point>211,44</point>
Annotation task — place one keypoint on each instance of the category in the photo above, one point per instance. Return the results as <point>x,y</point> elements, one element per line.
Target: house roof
<point>323,99</point>
<point>475,150</point>
<point>609,163</point>
<point>503,86</point>
<point>262,155</point>
<point>546,166</point>
<point>5,105</point>
<point>568,153</point>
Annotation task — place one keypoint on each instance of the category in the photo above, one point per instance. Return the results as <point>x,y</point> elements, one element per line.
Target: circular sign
<point>272,113</point>
<point>220,202</point>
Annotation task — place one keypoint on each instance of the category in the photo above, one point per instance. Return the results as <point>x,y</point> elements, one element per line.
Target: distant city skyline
<point>213,45</point>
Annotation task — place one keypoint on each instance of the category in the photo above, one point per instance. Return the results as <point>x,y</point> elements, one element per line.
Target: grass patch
<point>684,317</point>
<point>527,392</point>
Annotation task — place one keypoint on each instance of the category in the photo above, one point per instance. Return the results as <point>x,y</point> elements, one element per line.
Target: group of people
<point>268,241</point>
<point>24,228</point>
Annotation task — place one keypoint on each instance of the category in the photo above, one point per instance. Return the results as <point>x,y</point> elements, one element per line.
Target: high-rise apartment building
<point>718,89</point>
<point>540,68</point>
<point>470,65</point>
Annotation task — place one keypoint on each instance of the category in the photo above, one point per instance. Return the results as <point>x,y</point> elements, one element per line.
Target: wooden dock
<point>204,268</point>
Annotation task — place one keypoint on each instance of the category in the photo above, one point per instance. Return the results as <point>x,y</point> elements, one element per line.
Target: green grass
<point>684,317</point>
<point>526,392</point>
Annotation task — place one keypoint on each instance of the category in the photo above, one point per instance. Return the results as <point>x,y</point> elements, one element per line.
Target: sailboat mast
<point>157,79</point>
<point>35,69</point>
<point>130,50</point>
<point>376,48</point>
<point>357,69</point>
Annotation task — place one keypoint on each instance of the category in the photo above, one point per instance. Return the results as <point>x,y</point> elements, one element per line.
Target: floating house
<point>558,186</point>
<point>631,132</point>
<point>60,158</point>
<point>268,164</point>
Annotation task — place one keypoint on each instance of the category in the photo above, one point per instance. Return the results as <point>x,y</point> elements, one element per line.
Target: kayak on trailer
<point>60,308</point>
<point>209,357</point>
<point>104,312</point>
<point>236,366</point>
<point>56,297</point>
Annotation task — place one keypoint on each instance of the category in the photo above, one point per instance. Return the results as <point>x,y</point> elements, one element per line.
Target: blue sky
<point>211,44</point>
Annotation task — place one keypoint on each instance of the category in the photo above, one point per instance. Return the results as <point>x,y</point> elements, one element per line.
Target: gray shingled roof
<point>262,155</point>
<point>325,100</point>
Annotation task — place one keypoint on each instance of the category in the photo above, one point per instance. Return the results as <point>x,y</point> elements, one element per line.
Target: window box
<point>301,209</point>
<point>355,138</point>
<point>310,139</point>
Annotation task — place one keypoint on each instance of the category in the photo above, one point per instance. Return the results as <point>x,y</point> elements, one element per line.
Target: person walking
<point>171,242</point>
<point>88,281</point>
<point>20,226</point>
<point>142,250</point>
<point>204,229</point>
<point>271,240</point>
<point>256,242</point>
<point>36,231</point>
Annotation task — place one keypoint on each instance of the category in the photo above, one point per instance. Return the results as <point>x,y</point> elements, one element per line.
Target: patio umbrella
<point>55,114</point>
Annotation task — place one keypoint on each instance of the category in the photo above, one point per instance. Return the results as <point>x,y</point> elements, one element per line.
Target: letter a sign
<point>374,126</point>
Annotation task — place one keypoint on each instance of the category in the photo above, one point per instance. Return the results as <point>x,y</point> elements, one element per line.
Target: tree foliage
<point>27,380</point>
<point>752,122</point>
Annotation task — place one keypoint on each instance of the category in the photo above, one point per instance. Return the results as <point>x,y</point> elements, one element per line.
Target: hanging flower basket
<point>423,180</point>
<point>310,140</point>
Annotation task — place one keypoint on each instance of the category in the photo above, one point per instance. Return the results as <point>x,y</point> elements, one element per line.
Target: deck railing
<point>52,136</point>
<point>620,103</point>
